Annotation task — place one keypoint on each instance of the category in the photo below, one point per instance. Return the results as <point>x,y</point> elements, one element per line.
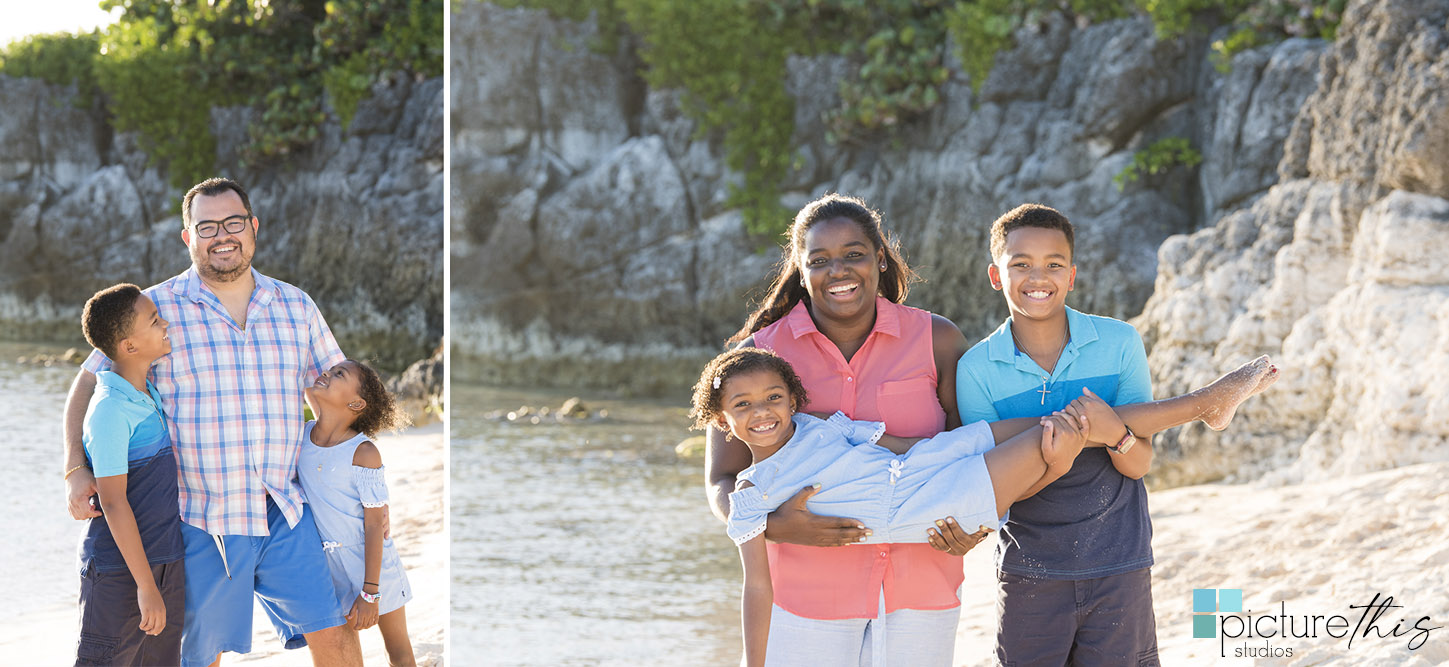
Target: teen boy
<point>1073,562</point>
<point>133,588</point>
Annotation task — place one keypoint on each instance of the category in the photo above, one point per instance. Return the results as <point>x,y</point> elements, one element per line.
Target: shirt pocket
<point>910,408</point>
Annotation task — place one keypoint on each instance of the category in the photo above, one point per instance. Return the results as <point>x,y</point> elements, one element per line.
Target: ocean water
<point>584,543</point>
<point>38,534</point>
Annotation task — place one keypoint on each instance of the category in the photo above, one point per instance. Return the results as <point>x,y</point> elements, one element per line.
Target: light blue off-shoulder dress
<point>337,492</point>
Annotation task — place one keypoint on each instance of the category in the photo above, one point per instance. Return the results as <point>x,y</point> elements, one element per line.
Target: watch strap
<point>1124,444</point>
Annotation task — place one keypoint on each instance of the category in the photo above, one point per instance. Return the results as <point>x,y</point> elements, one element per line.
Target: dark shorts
<point>1105,621</point>
<point>110,618</point>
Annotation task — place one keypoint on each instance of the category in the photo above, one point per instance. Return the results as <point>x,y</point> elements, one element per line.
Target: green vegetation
<point>164,64</point>
<point>1268,21</point>
<point>1162,155</point>
<point>62,58</point>
<point>728,57</point>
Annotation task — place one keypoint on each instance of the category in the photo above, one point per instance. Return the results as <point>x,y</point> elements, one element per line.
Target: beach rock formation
<point>592,241</point>
<point>1338,271</point>
<point>356,220</point>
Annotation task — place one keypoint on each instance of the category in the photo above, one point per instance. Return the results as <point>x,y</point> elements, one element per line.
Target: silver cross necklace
<point>1045,378</point>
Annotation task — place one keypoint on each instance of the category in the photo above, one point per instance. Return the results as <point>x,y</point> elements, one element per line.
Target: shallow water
<point>39,536</point>
<point>584,543</point>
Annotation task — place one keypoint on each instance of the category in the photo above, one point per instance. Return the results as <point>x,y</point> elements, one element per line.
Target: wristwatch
<point>1124,444</point>
<point>370,598</point>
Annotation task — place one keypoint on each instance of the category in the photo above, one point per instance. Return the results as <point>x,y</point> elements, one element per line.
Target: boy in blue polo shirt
<point>133,588</point>
<point>1073,562</point>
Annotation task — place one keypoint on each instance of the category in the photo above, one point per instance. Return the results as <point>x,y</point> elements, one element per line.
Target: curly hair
<point>108,317</point>
<point>708,394</point>
<point>382,412</point>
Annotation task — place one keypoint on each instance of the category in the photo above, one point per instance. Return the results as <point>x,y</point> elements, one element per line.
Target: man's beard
<point>213,274</point>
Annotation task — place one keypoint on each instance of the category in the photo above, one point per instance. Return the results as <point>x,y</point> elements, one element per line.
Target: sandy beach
<point>415,473</point>
<point>1315,548</point>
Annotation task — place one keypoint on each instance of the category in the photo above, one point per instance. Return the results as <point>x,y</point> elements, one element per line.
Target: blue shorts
<point>286,571</point>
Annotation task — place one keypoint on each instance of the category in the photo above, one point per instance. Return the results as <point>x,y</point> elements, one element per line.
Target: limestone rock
<point>355,219</point>
<point>1336,273</point>
<point>419,390</point>
<point>624,259</point>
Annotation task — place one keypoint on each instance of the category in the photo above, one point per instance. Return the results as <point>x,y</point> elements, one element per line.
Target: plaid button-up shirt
<point>233,398</point>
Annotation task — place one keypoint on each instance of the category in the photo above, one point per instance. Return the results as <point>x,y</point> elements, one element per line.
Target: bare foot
<point>1229,391</point>
<point>1266,381</point>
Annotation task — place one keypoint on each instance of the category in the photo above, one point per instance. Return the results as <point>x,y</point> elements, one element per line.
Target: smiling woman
<point>834,313</point>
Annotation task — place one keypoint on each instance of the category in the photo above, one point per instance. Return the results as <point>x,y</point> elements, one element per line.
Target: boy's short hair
<point>1030,215</point>
<point>108,317</point>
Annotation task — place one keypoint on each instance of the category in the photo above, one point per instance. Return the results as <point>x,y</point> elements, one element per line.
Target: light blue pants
<point>903,638</point>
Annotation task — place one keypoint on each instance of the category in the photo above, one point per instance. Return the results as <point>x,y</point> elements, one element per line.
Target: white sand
<point>415,476</point>
<point>1316,547</point>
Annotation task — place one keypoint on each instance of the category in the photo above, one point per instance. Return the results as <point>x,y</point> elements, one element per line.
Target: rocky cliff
<point>592,242</point>
<point>356,220</point>
<point>592,245</point>
<point>1338,270</point>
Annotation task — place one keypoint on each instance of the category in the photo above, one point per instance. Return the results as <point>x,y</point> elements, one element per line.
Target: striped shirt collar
<point>189,285</point>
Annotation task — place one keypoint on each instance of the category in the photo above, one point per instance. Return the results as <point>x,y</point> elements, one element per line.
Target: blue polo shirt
<point>1093,521</point>
<point>125,433</point>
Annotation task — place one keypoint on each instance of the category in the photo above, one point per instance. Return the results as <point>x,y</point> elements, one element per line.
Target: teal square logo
<point>1230,600</point>
<point>1205,601</point>
<point>1204,626</point>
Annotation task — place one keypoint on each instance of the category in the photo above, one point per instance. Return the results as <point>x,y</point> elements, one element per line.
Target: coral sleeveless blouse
<point>891,379</point>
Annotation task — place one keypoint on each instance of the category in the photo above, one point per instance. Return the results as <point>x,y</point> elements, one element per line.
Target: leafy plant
<point>61,58</point>
<point>165,64</point>
<point>728,56</point>
<point>1162,155</point>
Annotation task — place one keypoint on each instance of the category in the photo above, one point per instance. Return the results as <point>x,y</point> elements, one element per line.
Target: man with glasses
<point>243,348</point>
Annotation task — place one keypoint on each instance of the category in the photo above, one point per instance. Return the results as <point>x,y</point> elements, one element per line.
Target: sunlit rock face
<point>593,242</point>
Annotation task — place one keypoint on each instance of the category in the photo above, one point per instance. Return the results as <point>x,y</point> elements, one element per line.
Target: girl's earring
<point>882,268</point>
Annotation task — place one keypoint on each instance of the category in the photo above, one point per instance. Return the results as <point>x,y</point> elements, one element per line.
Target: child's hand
<point>153,610</point>
<point>1107,427</point>
<point>363,614</point>
<point>1062,438</point>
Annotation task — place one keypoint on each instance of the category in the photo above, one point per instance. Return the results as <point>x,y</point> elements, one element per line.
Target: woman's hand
<point>948,536</point>
<point>792,523</point>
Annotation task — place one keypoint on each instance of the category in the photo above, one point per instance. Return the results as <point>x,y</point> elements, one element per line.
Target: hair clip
<point>716,381</point>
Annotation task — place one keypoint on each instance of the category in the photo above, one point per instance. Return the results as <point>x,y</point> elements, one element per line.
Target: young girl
<point>898,487</point>
<point>342,475</point>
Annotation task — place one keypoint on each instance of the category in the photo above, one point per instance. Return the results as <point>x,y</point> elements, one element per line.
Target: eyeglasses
<point>233,225</point>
